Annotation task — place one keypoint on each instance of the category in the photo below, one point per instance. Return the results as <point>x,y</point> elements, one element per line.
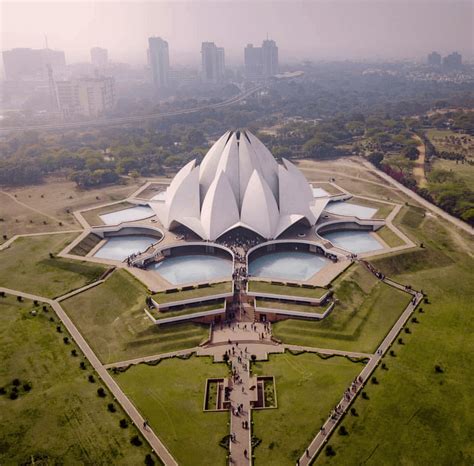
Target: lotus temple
<point>239,236</point>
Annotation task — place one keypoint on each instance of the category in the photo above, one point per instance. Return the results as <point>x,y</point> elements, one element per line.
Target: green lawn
<point>189,310</point>
<point>111,318</point>
<point>171,396</point>
<point>267,287</point>
<point>307,388</point>
<point>214,288</point>
<point>429,414</point>
<point>290,306</point>
<point>390,237</point>
<point>463,170</point>
<point>61,420</point>
<point>27,266</point>
<point>366,311</point>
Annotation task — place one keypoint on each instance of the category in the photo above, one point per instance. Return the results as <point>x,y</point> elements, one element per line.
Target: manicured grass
<point>171,396</point>
<point>290,306</point>
<point>267,287</point>
<point>366,311</point>
<point>428,413</point>
<point>93,216</point>
<point>61,420</point>
<point>111,318</point>
<point>27,266</point>
<point>390,237</point>
<point>189,310</point>
<point>213,289</point>
<point>307,388</point>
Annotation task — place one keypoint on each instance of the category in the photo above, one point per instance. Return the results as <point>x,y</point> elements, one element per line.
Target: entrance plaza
<point>261,257</point>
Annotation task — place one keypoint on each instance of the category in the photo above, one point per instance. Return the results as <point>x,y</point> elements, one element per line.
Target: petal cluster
<point>238,184</point>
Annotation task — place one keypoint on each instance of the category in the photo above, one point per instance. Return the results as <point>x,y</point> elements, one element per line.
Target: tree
<point>376,158</point>
<point>410,152</point>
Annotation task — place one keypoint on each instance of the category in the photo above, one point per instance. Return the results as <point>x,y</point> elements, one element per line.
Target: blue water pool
<point>287,265</point>
<point>355,241</point>
<point>138,212</point>
<point>320,192</point>
<point>346,208</point>
<point>120,247</point>
<point>194,268</point>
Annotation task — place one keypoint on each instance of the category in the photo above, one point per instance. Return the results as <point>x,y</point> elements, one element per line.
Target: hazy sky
<point>319,29</point>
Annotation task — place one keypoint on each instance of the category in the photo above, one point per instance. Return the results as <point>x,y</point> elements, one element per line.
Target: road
<point>428,205</point>
<point>131,119</point>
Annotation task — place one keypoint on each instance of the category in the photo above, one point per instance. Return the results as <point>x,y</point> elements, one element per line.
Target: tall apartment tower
<point>213,62</point>
<point>269,58</point>
<point>452,61</point>
<point>261,62</point>
<point>434,59</point>
<point>99,57</point>
<point>159,62</point>
<point>253,61</point>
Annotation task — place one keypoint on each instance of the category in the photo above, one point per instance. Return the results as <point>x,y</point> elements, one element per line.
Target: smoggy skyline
<point>376,29</point>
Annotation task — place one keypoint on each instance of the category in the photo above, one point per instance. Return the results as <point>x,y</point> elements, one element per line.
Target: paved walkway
<point>240,397</point>
<point>116,391</point>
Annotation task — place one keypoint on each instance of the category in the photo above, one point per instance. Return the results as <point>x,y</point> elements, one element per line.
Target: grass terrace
<point>180,294</point>
<point>365,311</point>
<point>57,417</point>
<point>287,306</point>
<point>27,266</point>
<point>111,318</point>
<point>258,286</point>
<point>170,395</point>
<point>307,387</point>
<point>389,237</point>
<point>189,310</point>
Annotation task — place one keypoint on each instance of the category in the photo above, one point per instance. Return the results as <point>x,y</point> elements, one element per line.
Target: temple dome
<point>238,184</point>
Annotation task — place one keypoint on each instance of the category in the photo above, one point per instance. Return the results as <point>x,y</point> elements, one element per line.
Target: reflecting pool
<point>138,212</point>
<point>355,241</point>
<point>120,247</point>
<point>346,208</point>
<point>287,265</point>
<point>193,268</point>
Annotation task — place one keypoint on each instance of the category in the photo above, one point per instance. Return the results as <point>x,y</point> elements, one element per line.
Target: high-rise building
<point>213,62</point>
<point>85,96</point>
<point>452,61</point>
<point>159,59</point>
<point>31,63</point>
<point>99,57</point>
<point>253,61</point>
<point>269,58</point>
<point>434,59</point>
<point>261,62</point>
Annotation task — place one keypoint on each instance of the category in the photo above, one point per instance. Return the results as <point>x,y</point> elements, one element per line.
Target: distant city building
<point>261,62</point>
<point>253,61</point>
<point>213,62</point>
<point>89,97</point>
<point>434,59</point>
<point>99,57</point>
<point>183,77</point>
<point>269,58</point>
<point>452,61</point>
<point>24,63</point>
<point>159,60</point>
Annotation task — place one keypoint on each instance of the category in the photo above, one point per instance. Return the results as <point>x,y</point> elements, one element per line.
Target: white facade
<point>238,184</point>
